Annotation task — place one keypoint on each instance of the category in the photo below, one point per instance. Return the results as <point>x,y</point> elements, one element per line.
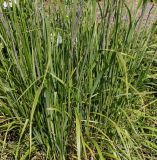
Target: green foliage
<point>75,85</point>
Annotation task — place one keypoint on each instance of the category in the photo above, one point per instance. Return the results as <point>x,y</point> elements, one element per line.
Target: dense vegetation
<point>75,85</point>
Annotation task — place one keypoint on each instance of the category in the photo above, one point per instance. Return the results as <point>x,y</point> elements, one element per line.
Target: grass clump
<point>75,85</point>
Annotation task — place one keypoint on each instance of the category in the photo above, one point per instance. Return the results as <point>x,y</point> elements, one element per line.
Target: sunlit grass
<point>73,86</point>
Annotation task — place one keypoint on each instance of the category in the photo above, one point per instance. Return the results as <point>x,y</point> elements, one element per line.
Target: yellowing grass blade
<point>78,137</point>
